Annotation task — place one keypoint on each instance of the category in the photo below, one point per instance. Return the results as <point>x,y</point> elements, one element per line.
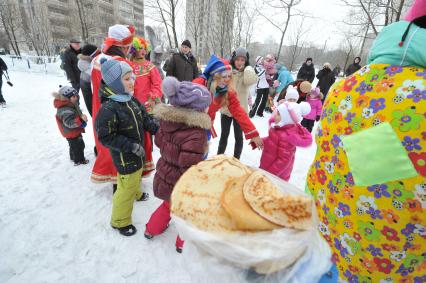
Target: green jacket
<point>386,49</point>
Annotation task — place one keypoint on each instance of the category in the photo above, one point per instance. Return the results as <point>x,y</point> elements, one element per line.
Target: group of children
<point>182,130</point>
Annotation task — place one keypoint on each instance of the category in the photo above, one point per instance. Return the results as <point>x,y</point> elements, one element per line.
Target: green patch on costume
<point>376,156</point>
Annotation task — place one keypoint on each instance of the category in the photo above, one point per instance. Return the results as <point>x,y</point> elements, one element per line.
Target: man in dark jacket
<point>183,65</point>
<point>70,63</point>
<point>3,68</point>
<point>326,79</point>
<point>307,71</point>
<point>353,67</point>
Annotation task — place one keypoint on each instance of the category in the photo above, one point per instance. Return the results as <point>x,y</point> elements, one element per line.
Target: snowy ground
<point>55,222</point>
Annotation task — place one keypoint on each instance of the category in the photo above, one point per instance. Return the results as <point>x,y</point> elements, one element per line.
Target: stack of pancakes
<point>222,195</point>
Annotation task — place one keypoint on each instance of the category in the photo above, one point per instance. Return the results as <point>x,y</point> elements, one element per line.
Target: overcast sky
<point>325,26</point>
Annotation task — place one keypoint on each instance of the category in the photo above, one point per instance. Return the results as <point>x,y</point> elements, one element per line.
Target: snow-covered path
<point>55,222</point>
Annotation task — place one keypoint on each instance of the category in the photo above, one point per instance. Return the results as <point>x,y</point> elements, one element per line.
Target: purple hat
<point>186,94</point>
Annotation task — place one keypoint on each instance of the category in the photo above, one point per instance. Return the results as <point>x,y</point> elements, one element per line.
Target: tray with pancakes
<point>243,216</point>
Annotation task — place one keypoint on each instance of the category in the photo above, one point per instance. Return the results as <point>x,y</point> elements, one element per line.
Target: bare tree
<point>297,42</point>
<point>165,12</point>
<point>220,39</point>
<point>244,22</point>
<point>11,21</point>
<point>375,13</point>
<point>194,21</point>
<point>281,7</point>
<point>81,11</point>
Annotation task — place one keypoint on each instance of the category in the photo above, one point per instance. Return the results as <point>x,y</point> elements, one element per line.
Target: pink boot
<point>179,244</point>
<point>159,221</point>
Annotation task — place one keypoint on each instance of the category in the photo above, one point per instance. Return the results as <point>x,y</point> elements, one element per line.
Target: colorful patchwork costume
<point>369,173</point>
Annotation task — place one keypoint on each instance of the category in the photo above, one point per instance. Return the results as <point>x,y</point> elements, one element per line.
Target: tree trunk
<point>398,14</point>
<point>8,34</point>
<point>367,12</point>
<point>285,29</point>
<point>173,20</point>
<point>84,32</point>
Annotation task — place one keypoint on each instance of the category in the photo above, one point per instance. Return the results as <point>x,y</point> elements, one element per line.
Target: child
<point>315,101</point>
<point>120,126</point>
<point>182,140</point>
<point>285,134</point>
<point>262,89</point>
<point>218,75</point>
<point>243,76</point>
<point>71,122</point>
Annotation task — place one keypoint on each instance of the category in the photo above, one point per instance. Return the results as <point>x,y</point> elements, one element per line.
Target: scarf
<point>220,91</point>
<point>125,97</point>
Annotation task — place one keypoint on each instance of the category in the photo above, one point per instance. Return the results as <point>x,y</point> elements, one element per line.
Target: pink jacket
<point>316,108</point>
<point>280,148</point>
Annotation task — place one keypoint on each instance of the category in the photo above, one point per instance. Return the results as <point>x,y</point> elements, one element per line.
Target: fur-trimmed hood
<point>84,57</point>
<point>181,115</point>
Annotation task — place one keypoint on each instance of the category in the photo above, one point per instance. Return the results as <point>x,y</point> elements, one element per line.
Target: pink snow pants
<point>159,220</point>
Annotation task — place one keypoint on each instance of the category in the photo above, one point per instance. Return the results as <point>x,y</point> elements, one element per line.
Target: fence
<point>34,64</point>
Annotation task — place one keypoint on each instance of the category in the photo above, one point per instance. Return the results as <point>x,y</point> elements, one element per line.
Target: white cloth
<point>118,32</point>
<point>261,77</point>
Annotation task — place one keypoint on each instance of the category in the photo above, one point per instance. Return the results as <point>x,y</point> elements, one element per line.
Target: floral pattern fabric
<point>378,232</point>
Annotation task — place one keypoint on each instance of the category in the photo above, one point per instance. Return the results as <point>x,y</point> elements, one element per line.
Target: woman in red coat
<point>219,73</point>
<point>147,90</point>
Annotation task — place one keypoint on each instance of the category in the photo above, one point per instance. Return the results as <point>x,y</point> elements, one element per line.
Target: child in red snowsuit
<point>182,140</point>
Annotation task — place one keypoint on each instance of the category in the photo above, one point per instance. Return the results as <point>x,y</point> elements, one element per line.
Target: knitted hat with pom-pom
<point>186,94</point>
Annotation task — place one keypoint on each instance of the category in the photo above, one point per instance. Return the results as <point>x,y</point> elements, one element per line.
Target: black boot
<point>144,197</point>
<point>127,231</point>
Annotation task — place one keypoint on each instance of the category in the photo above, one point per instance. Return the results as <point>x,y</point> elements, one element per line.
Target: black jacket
<point>121,124</point>
<point>70,65</point>
<point>3,67</point>
<point>182,67</point>
<point>306,73</point>
<point>352,69</point>
<point>326,79</point>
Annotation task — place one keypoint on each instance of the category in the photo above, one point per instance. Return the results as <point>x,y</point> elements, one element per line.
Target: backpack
<point>62,57</point>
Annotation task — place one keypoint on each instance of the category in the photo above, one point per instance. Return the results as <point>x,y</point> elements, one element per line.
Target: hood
<point>84,57</point>
<point>308,67</point>
<point>386,48</point>
<point>183,116</point>
<point>295,135</point>
<point>60,101</point>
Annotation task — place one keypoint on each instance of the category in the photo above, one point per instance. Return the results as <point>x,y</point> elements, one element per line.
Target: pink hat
<point>418,9</point>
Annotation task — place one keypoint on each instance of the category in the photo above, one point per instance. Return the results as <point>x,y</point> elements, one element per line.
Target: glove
<point>83,124</point>
<point>318,118</point>
<point>138,150</point>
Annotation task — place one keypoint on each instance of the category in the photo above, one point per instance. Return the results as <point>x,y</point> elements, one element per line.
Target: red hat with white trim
<point>119,35</point>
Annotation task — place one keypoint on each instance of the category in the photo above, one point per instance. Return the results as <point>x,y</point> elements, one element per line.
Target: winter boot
<point>85,161</point>
<point>127,231</point>
<point>179,244</point>
<point>144,197</point>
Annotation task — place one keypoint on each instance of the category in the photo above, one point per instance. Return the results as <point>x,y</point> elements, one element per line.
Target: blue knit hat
<point>112,72</point>
<point>216,65</point>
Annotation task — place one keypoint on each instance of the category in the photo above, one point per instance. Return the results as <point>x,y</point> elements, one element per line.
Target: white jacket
<point>261,77</point>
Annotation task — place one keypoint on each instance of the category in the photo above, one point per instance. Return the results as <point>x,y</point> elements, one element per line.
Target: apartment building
<point>90,19</point>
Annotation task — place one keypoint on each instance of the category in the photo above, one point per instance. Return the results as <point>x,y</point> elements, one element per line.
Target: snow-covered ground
<point>55,222</point>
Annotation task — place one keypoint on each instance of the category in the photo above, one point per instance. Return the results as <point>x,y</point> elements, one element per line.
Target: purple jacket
<point>280,148</point>
<point>316,108</point>
<point>182,141</point>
